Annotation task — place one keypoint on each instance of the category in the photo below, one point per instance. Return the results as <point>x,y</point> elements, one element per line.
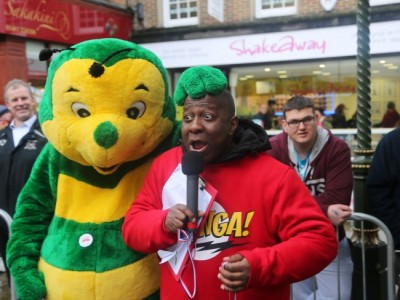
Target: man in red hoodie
<point>323,163</point>
<point>259,229</point>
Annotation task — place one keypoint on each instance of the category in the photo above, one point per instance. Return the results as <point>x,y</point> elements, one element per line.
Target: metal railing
<point>391,285</point>
<point>356,216</point>
<point>7,218</point>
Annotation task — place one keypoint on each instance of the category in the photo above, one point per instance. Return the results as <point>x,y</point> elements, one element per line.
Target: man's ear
<point>284,125</point>
<point>233,124</point>
<point>317,116</point>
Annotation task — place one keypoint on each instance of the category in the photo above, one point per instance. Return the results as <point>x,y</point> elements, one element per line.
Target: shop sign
<point>328,5</point>
<point>62,21</point>
<point>319,43</point>
<point>215,8</point>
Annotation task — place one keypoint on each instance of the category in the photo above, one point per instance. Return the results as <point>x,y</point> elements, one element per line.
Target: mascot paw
<point>30,286</point>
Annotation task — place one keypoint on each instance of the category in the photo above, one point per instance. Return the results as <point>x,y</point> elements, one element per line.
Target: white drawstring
<point>234,295</point>
<point>184,237</point>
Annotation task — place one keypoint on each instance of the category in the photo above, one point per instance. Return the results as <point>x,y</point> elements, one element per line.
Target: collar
<point>319,143</point>
<point>28,123</point>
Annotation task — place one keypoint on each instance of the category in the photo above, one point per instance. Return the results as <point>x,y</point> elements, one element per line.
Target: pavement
<point>4,288</point>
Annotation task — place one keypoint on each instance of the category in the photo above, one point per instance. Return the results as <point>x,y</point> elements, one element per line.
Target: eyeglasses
<point>306,122</point>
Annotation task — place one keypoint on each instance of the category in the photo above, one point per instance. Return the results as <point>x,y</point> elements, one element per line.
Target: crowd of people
<point>390,119</point>
<point>267,118</point>
<point>292,191</point>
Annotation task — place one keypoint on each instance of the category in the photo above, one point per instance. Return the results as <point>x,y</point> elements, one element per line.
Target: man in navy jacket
<point>20,144</point>
<point>383,186</point>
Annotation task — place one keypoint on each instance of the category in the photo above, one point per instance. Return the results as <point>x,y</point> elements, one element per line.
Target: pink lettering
<point>286,44</point>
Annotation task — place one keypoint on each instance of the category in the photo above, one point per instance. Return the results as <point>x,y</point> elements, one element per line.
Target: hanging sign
<point>328,5</point>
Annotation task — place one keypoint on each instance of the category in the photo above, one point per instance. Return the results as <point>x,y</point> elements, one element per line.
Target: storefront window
<point>328,83</point>
<point>35,66</point>
<point>87,20</point>
<point>180,13</point>
<point>271,8</point>
<point>382,2</point>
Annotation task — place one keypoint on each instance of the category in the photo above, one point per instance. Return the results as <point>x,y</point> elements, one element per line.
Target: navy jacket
<point>16,163</point>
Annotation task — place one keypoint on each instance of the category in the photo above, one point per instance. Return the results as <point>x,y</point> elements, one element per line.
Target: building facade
<point>28,26</point>
<point>276,48</point>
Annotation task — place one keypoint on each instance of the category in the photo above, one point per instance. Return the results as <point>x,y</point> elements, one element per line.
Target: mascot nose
<point>106,135</point>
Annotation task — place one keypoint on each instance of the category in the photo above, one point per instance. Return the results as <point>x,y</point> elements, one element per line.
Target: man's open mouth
<point>197,145</point>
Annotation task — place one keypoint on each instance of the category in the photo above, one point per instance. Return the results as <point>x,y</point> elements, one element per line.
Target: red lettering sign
<point>62,21</point>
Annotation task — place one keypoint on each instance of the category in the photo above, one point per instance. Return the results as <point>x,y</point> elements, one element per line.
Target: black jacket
<point>16,163</point>
<point>248,139</point>
<point>383,183</point>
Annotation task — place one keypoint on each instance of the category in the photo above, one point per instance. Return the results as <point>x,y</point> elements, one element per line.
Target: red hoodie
<point>262,211</point>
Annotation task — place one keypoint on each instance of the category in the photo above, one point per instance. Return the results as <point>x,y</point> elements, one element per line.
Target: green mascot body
<point>106,113</point>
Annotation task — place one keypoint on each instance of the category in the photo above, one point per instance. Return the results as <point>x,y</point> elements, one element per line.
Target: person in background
<point>20,144</point>
<point>5,116</point>
<point>383,187</point>
<point>266,114</point>
<point>338,119</point>
<point>390,118</point>
<point>261,118</point>
<point>323,121</point>
<point>271,113</point>
<point>258,233</point>
<point>323,162</point>
<point>352,122</point>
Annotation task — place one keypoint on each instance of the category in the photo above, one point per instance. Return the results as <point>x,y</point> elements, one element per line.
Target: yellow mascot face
<point>103,121</point>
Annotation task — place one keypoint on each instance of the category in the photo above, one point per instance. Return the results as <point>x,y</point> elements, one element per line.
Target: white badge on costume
<point>85,240</point>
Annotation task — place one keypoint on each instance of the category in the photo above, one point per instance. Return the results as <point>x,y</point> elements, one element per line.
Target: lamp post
<point>375,249</point>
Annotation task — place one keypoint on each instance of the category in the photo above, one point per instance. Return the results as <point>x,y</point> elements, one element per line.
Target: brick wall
<point>314,7</point>
<point>151,13</point>
<point>242,11</point>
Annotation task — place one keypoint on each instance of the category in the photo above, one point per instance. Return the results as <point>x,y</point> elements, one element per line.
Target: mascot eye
<point>80,110</point>
<point>136,111</point>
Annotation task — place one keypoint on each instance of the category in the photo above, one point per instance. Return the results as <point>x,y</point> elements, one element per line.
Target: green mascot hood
<point>106,52</point>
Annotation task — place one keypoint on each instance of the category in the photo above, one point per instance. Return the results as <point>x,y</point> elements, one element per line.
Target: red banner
<point>64,21</point>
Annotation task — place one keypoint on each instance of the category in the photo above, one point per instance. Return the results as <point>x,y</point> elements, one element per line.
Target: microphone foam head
<point>192,163</point>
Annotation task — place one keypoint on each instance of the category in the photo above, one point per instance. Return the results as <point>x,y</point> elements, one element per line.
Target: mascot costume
<point>106,113</point>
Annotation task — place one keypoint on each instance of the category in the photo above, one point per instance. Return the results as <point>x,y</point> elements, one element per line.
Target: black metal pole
<point>363,76</point>
<point>375,249</point>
